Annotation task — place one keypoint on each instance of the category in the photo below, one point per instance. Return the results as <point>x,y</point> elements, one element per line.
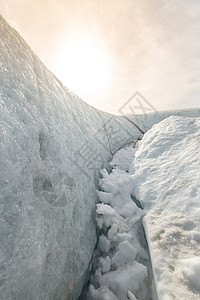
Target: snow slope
<point>166,181</point>
<point>52,146</point>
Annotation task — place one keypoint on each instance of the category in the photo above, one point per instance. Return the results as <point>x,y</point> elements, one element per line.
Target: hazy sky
<point>106,50</point>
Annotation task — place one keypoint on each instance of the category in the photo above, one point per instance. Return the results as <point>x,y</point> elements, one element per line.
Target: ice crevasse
<point>52,146</point>
<point>162,172</point>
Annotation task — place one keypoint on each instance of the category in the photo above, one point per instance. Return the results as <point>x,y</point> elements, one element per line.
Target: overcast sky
<point>148,46</point>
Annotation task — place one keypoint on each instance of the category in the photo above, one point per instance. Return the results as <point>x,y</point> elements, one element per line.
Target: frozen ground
<point>164,177</point>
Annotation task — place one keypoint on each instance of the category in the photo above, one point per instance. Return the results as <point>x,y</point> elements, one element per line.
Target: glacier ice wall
<point>52,146</point>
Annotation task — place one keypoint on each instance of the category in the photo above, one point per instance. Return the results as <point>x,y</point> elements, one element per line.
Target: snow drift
<point>52,146</point>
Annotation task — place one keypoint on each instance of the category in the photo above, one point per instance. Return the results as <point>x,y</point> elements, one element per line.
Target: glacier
<point>52,146</point>
<point>121,265</point>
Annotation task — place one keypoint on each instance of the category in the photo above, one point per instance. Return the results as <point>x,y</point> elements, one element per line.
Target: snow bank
<point>166,180</point>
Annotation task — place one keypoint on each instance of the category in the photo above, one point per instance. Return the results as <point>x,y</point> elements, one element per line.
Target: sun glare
<point>82,66</point>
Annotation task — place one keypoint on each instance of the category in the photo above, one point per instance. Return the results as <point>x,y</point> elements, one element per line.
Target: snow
<point>166,181</point>
<point>120,260</point>
<point>123,157</point>
<point>191,271</point>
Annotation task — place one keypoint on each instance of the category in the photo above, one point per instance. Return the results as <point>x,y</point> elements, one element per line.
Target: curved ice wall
<point>52,146</point>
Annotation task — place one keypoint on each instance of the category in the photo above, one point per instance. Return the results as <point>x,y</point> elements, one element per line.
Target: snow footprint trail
<point>120,260</point>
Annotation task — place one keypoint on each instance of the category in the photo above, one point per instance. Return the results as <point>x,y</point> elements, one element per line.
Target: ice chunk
<point>102,293</point>
<point>129,210</point>
<point>104,209</point>
<point>129,277</point>
<point>105,264</point>
<point>125,254</point>
<point>106,213</point>
<point>105,197</point>
<point>104,244</point>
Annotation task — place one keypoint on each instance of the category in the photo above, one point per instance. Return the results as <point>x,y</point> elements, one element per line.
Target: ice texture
<point>52,146</point>
<point>166,180</point>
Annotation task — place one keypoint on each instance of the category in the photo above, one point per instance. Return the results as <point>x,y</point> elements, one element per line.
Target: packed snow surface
<point>166,177</point>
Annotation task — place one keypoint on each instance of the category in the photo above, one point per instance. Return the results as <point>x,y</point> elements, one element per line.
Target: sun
<point>83,66</point>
